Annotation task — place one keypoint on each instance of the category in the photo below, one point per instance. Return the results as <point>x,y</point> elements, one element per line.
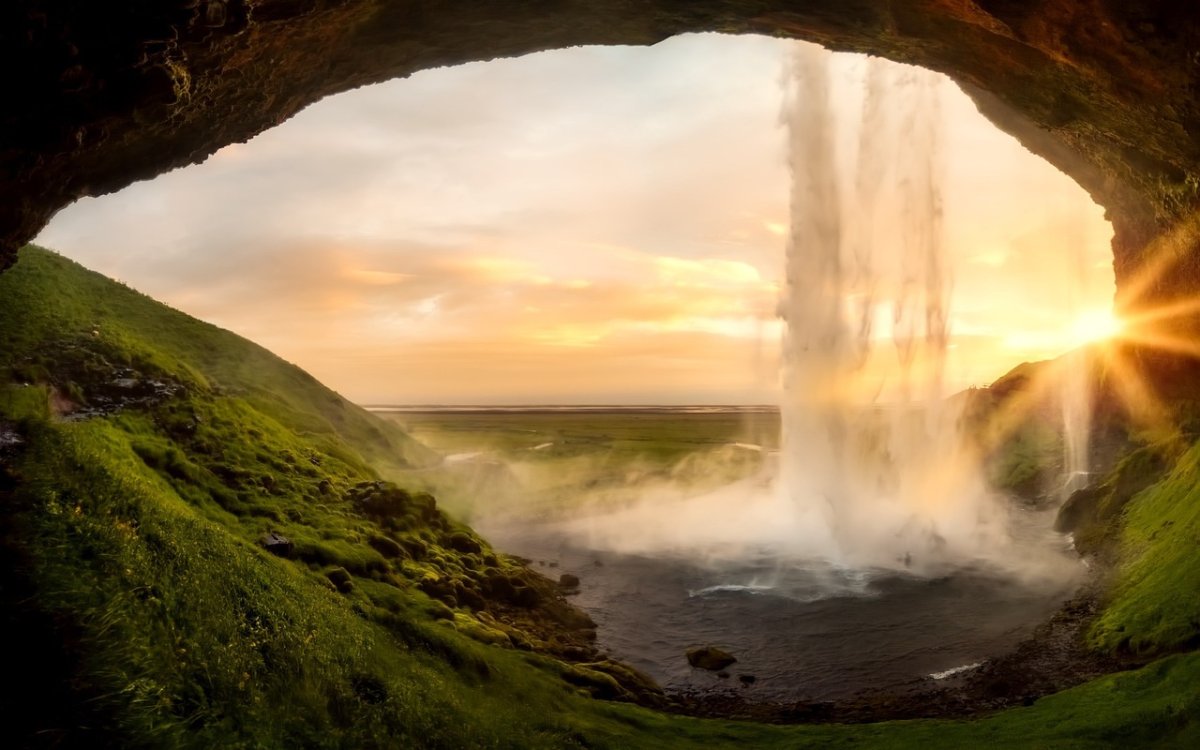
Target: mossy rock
<point>415,548</point>
<point>636,682</point>
<point>473,628</point>
<point>526,596</point>
<point>597,684</point>
<point>380,500</point>
<point>439,611</point>
<point>387,547</point>
<point>498,585</point>
<point>469,597</point>
<point>710,657</point>
<point>463,542</point>
<point>1093,514</point>
<point>425,506</point>
<point>341,579</point>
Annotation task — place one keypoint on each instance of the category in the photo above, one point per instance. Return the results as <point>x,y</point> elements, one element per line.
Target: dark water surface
<point>805,630</point>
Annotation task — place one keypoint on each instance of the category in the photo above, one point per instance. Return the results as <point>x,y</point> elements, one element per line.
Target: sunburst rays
<point>1154,331</point>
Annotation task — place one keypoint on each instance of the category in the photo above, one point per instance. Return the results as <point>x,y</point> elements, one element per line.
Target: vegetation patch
<point>137,584</point>
<point>1153,607</point>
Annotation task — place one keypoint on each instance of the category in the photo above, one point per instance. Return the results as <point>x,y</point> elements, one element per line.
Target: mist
<point>871,474</point>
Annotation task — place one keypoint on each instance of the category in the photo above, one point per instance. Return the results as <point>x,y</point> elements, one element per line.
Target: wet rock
<point>598,684</point>
<point>576,653</point>
<point>277,544</point>
<point>747,679</point>
<point>641,686</point>
<point>710,658</point>
<point>568,581</point>
<point>9,437</point>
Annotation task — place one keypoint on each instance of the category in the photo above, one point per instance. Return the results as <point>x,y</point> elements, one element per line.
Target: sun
<point>1092,326</point>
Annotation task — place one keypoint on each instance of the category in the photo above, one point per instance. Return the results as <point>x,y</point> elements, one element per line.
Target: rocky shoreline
<point>1055,657</point>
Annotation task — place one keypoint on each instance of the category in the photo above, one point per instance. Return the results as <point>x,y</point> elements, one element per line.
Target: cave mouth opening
<point>618,242</point>
<point>581,174</point>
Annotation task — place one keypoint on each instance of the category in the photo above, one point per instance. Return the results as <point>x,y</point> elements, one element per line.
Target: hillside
<point>146,458</point>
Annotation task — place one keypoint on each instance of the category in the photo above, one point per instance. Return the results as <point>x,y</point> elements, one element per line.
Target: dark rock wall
<point>100,94</point>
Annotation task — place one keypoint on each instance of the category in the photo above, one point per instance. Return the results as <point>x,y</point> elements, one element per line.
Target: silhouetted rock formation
<point>98,95</point>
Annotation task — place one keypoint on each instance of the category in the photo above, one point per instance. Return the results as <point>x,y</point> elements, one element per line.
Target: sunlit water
<point>868,554</point>
<point>867,312</point>
<point>806,629</point>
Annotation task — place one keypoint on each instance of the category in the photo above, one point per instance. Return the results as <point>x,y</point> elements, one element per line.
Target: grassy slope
<point>136,328</point>
<point>131,554</point>
<point>1154,606</point>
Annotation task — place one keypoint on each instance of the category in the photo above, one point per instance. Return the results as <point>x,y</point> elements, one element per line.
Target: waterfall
<point>1075,378</point>
<point>1075,385</point>
<point>870,445</point>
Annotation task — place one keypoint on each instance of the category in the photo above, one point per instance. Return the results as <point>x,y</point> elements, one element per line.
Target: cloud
<point>586,224</point>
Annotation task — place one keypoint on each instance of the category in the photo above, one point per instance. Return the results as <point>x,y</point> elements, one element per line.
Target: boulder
<point>341,579</point>
<point>568,581</point>
<point>463,542</point>
<point>526,596</point>
<point>277,544</point>
<point>380,500</point>
<point>387,547</point>
<point>710,657</point>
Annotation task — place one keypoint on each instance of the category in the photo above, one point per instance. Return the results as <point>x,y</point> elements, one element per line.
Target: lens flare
<point>1093,326</point>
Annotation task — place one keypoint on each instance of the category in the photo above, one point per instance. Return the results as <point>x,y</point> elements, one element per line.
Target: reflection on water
<point>805,628</point>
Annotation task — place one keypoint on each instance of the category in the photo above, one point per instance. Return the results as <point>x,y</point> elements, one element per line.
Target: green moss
<point>20,400</point>
<point>1154,607</point>
<point>134,574</point>
<point>1094,515</point>
<point>1025,460</point>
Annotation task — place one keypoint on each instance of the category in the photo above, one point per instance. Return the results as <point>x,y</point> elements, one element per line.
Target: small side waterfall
<point>1077,417</point>
<point>871,448</point>
<point>1075,385</point>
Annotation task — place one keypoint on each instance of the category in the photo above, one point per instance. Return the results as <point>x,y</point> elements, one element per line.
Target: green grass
<point>554,462</point>
<point>663,438</point>
<point>1154,606</point>
<point>143,612</point>
<point>133,330</point>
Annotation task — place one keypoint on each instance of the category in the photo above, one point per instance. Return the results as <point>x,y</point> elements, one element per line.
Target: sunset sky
<point>595,225</point>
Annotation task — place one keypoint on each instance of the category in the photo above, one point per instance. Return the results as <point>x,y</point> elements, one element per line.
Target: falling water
<point>1075,381</point>
<point>1077,417</point>
<point>871,448</point>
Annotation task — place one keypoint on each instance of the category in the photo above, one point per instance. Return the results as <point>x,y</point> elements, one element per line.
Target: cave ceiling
<point>99,95</point>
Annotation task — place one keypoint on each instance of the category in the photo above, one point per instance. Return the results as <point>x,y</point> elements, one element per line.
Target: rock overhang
<point>100,95</point>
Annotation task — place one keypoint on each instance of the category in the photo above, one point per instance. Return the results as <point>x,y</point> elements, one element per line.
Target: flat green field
<point>664,435</point>
<point>544,461</point>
